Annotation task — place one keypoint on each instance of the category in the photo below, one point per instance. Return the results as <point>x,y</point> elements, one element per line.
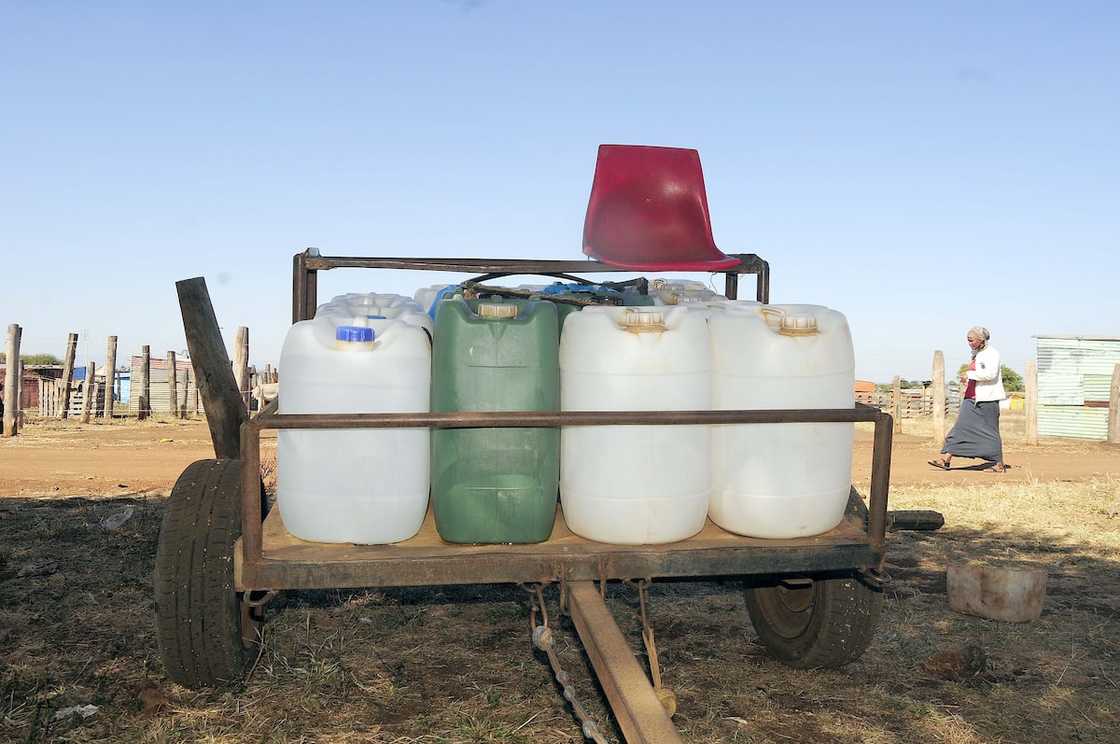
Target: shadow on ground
<point>455,664</point>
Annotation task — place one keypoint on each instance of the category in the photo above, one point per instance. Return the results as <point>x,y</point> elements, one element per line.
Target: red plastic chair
<point>649,211</point>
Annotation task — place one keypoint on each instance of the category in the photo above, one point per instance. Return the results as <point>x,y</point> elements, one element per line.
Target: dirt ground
<point>80,508</point>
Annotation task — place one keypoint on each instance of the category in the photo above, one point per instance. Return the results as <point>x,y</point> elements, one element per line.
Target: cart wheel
<point>811,623</point>
<point>198,613</point>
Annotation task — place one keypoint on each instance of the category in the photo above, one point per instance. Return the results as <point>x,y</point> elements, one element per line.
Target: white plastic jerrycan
<point>682,292</point>
<point>635,484</point>
<point>354,485</point>
<point>780,480</point>
<point>425,297</point>
<point>358,307</point>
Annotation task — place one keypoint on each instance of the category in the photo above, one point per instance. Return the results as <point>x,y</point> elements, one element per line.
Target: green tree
<point>34,358</point>
<point>1012,380</point>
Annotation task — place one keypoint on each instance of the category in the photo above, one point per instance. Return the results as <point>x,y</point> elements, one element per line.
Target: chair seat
<point>648,211</point>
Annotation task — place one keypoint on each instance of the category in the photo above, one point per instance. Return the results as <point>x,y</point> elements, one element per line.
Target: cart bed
<point>291,563</point>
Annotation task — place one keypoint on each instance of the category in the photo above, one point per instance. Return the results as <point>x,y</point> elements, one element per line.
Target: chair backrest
<point>649,210</point>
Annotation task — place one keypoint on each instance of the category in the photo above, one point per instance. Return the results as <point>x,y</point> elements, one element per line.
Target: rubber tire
<point>835,628</point>
<point>198,612</point>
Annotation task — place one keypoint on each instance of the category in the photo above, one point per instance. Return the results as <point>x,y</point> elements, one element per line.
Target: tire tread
<point>846,614</point>
<point>197,609</point>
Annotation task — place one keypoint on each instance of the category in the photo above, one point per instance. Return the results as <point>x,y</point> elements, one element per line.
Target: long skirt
<point>976,433</point>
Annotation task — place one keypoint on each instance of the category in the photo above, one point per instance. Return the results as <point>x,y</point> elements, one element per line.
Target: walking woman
<point>976,433</point>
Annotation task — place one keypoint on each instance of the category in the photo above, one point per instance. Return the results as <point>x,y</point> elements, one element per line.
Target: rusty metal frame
<point>307,264</point>
<point>255,572</point>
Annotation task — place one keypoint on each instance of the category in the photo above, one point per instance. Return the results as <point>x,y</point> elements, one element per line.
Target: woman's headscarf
<point>981,333</point>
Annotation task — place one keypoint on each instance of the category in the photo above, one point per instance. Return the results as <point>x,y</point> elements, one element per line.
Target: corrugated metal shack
<point>160,390</point>
<point>1074,376</point>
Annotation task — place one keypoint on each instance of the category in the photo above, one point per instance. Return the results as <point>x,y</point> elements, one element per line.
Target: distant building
<point>1074,377</point>
<point>32,373</point>
<point>864,386</point>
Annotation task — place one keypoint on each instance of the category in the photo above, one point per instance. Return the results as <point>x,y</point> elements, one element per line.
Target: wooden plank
<point>938,398</point>
<point>12,381</point>
<point>87,392</point>
<point>225,409</point>
<point>172,385</point>
<point>279,544</point>
<point>1030,378</point>
<point>896,398</point>
<point>186,393</point>
<point>68,374</point>
<point>241,364</point>
<point>19,392</point>
<point>635,705</point>
<point>110,375</point>
<point>291,563</point>
<point>1114,407</point>
<point>144,408</point>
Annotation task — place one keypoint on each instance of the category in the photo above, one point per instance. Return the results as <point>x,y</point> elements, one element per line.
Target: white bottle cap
<point>798,325</point>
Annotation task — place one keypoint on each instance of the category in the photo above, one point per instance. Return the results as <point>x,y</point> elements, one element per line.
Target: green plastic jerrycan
<point>495,485</point>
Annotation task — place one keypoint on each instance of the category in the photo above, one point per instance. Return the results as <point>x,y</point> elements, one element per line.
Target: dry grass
<point>455,664</point>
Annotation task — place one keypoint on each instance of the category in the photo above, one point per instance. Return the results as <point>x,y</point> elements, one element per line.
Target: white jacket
<point>988,376</point>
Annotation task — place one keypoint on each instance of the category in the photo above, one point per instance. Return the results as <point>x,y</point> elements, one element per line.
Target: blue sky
<point>921,167</point>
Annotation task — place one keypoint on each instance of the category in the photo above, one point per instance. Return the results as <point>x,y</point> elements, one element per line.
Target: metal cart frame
<point>266,559</point>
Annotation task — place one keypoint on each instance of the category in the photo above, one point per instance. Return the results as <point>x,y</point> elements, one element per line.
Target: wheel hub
<point>789,607</point>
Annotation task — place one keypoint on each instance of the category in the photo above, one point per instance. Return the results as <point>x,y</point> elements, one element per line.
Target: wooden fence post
<point>241,363</point>
<point>938,397</point>
<point>1030,380</point>
<point>12,381</point>
<point>172,384</point>
<point>68,374</point>
<point>186,392</point>
<point>1114,407</point>
<point>19,393</point>
<point>144,405</point>
<point>896,402</point>
<point>87,392</point>
<point>110,375</point>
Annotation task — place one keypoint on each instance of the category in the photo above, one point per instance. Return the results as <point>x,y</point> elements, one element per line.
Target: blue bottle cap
<point>355,334</point>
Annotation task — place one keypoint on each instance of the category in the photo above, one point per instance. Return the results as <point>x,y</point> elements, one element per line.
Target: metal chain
<point>665,695</point>
<point>542,639</point>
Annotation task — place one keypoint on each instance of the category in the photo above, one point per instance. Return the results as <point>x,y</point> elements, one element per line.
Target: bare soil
<point>80,508</point>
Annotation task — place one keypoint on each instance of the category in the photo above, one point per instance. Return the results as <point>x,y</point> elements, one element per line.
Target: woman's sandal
<point>939,464</point>
<point>998,469</point>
